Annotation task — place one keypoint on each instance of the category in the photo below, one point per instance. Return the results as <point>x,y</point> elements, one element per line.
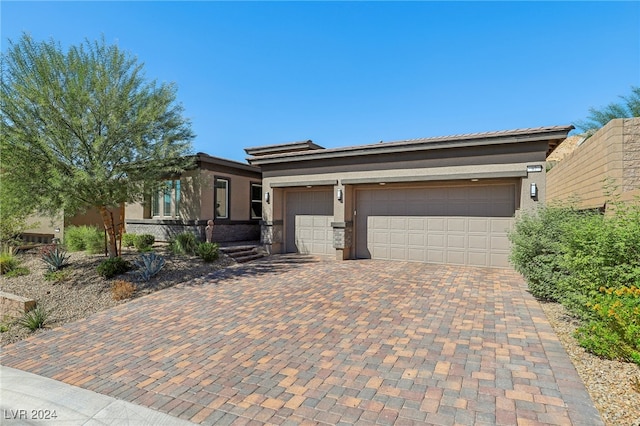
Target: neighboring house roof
<point>279,153</point>
<point>566,147</point>
<point>307,145</point>
<point>201,157</point>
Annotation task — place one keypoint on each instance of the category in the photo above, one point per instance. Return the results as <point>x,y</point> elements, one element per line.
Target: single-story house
<point>610,157</point>
<point>448,199</point>
<point>226,191</point>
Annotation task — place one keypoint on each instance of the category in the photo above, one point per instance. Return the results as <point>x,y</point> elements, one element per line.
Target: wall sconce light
<point>339,194</point>
<point>267,197</point>
<point>533,190</point>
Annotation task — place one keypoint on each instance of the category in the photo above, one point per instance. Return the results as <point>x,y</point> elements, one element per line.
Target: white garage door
<point>453,225</point>
<point>308,222</point>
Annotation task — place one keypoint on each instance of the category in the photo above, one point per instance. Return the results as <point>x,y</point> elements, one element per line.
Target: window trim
<point>258,200</point>
<point>172,187</point>
<point>215,197</point>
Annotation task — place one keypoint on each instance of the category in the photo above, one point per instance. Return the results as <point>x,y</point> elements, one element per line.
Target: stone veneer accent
<point>342,234</point>
<point>164,230</point>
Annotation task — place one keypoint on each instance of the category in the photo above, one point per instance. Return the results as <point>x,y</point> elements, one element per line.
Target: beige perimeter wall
<point>611,154</point>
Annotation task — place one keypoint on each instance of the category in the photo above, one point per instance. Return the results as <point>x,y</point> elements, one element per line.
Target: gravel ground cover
<point>84,292</point>
<point>614,386</point>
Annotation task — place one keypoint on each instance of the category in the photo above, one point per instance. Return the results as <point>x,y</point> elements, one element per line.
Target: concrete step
<point>243,254</point>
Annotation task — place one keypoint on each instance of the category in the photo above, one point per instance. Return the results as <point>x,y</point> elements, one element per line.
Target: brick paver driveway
<point>296,340</point>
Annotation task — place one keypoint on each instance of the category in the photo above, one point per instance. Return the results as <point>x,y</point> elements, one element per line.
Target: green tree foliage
<point>598,117</point>
<point>84,128</point>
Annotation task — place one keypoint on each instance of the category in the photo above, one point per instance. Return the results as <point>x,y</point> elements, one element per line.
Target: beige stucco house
<point>226,191</point>
<point>443,200</point>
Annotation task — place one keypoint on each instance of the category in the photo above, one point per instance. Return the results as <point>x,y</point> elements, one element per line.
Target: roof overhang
<point>554,135</point>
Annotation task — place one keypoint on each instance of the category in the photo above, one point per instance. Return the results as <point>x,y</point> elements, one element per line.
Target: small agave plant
<point>148,265</point>
<point>55,258</point>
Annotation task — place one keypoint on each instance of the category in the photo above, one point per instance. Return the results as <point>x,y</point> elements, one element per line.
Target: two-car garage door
<point>465,225</point>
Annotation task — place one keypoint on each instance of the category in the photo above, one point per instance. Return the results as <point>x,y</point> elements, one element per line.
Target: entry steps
<point>243,253</point>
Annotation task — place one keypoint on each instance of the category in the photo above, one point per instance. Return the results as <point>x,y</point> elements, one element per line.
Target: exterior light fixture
<point>267,197</point>
<point>537,168</point>
<point>339,194</point>
<point>533,190</point>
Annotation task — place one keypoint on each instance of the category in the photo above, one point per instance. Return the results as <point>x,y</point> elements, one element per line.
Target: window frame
<point>172,188</point>
<point>252,200</point>
<point>227,196</point>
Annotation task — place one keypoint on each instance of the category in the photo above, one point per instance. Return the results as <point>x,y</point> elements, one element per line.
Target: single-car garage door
<point>465,225</point>
<point>308,222</point>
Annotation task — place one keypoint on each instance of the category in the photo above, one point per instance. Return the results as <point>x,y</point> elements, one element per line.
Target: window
<point>256,201</point>
<point>166,201</point>
<point>168,193</point>
<point>222,198</point>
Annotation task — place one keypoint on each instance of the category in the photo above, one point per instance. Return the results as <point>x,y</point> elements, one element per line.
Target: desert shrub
<point>604,251</point>
<point>17,272</point>
<point>57,276</point>
<point>84,238</point>
<point>148,265</point>
<point>184,243</point>
<point>538,247</point>
<point>113,266</point>
<point>54,257</point>
<point>129,240</point>
<point>8,262</point>
<point>615,331</point>
<point>121,289</point>
<point>208,251</point>
<point>35,318</point>
<point>143,242</point>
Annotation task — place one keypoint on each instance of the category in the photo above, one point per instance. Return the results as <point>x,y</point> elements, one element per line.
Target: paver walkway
<point>298,340</point>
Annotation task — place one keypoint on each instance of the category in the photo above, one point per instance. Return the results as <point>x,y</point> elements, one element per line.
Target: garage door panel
<point>456,225</point>
<point>455,257</point>
<point>478,225</point>
<point>478,242</point>
<point>478,258</point>
<point>398,238</point>
<point>436,224</point>
<point>308,222</point>
<point>456,242</point>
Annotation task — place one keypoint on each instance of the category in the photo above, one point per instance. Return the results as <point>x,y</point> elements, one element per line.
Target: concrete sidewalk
<point>29,399</point>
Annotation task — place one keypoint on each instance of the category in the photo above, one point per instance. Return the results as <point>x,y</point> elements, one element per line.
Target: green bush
<point>113,266</point>
<point>184,243</point>
<point>129,240</point>
<point>17,272</point>
<point>34,319</point>
<point>208,251</point>
<point>57,276</point>
<point>538,247</point>
<point>84,238</point>
<point>591,264</point>
<point>8,262</point>
<point>143,242</point>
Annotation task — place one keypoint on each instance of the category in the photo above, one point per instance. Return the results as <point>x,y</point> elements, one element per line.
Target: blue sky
<point>350,73</point>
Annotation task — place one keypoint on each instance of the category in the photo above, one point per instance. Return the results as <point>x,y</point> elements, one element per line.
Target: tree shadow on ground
<point>274,264</point>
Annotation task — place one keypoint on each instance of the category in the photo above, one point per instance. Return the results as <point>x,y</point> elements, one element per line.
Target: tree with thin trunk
<point>84,128</point>
<point>598,117</point>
